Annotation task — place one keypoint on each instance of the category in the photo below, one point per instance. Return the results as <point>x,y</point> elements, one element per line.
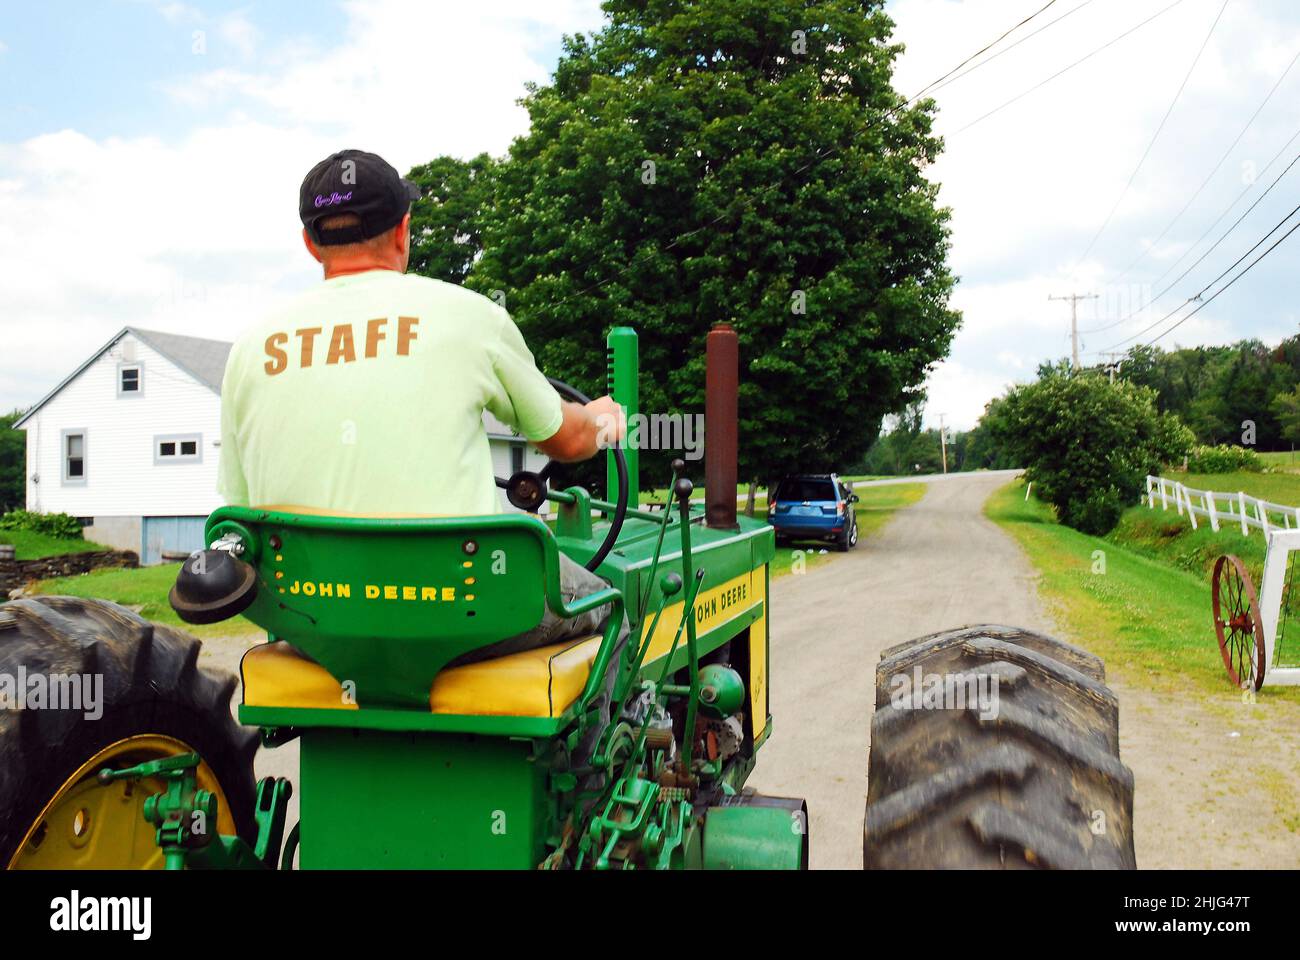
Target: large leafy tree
<point>447,221</point>
<point>732,160</point>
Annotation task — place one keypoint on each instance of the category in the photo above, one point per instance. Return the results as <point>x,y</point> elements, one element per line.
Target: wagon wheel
<point>1237,623</point>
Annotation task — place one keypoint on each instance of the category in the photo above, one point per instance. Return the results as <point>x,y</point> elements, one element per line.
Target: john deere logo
<point>400,592</point>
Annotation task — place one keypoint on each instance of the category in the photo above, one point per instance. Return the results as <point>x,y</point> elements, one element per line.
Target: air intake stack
<point>721,428</point>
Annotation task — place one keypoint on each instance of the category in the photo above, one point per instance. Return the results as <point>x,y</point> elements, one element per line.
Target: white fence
<point>1231,508</point>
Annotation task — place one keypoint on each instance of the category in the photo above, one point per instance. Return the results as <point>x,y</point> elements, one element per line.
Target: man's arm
<point>585,429</point>
<point>528,402</point>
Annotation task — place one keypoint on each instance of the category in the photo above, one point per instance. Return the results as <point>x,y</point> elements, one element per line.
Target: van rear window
<point>801,490</point>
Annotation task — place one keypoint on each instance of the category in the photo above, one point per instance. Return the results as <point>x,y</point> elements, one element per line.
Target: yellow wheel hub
<point>88,826</point>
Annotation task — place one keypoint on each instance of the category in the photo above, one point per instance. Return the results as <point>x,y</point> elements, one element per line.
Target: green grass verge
<point>36,546</point>
<point>145,590</point>
<point>1148,620</point>
<point>1165,536</point>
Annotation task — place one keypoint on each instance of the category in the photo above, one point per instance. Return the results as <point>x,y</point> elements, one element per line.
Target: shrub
<point>1087,444</point>
<point>1097,513</point>
<point>60,525</point>
<point>1224,458</point>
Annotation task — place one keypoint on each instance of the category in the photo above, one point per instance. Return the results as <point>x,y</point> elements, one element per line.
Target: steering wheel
<point>527,490</point>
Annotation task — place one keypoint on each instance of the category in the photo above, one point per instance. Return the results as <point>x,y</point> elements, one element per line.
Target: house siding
<point>121,478</point>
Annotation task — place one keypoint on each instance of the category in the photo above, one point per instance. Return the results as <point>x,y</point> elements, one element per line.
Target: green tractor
<point>590,753</point>
<point>408,760</point>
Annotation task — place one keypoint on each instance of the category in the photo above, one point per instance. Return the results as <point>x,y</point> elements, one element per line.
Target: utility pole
<point>1074,299</point>
<point>1114,363</point>
<point>943,443</point>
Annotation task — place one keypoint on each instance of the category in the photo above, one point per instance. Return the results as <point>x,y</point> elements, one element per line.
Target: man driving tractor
<point>365,395</point>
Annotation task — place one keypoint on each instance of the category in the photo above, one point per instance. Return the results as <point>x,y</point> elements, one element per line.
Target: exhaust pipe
<point>721,427</point>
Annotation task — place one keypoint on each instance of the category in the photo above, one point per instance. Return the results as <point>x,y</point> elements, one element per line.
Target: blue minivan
<point>814,507</point>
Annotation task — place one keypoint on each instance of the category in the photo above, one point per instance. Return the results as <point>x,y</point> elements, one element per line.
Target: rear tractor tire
<point>1028,776</point>
<point>154,702</point>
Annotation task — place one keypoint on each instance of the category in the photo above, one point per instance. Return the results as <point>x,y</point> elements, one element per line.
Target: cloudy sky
<point>150,154</point>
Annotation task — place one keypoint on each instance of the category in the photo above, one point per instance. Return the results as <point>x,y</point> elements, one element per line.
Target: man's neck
<point>344,267</point>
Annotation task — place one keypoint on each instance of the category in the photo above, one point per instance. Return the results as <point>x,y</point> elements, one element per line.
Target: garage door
<point>172,536</point>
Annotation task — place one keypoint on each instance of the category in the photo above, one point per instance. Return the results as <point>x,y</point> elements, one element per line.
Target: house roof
<point>204,360</point>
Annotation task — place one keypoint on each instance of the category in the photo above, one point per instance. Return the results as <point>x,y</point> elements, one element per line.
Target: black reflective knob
<point>213,586</point>
<point>526,490</point>
<point>682,489</point>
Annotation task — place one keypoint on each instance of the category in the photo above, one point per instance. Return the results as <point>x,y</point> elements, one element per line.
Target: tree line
<point>1089,437</point>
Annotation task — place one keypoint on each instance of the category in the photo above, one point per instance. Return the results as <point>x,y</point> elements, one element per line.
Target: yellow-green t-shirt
<point>366,395</point>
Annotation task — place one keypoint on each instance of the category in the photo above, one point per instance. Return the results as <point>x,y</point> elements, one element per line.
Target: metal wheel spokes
<point>1237,623</point>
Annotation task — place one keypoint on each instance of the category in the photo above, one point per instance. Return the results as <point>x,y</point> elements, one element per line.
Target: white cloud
<point>960,393</point>
<point>200,234</point>
<point>238,31</point>
<point>1031,185</point>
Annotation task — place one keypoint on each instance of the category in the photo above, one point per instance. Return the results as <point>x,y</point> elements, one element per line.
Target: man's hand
<point>611,421</point>
<point>586,429</point>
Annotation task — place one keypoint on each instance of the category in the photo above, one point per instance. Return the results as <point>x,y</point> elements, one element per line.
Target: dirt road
<point>938,564</point>
<point>1215,781</point>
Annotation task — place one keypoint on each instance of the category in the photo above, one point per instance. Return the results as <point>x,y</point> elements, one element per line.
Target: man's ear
<point>402,235</point>
<point>311,247</point>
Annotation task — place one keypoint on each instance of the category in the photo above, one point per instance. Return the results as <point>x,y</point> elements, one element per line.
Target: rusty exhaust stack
<point>721,427</point>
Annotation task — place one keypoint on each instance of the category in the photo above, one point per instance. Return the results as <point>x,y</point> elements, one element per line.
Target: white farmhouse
<point>129,443</point>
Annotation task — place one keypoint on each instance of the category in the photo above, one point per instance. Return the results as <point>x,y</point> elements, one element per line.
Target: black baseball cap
<point>353,181</point>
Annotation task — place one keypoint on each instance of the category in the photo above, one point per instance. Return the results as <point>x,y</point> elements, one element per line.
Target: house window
<point>74,457</point>
<point>130,378</point>
<point>178,448</point>
<point>516,458</point>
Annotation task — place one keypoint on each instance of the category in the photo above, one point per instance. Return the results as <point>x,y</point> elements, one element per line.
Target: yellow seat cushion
<point>542,682</point>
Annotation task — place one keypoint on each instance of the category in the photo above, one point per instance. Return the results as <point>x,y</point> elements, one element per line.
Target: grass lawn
<point>1149,619</point>
<point>1282,460</point>
<point>145,588</point>
<point>1283,488</point>
<point>34,546</point>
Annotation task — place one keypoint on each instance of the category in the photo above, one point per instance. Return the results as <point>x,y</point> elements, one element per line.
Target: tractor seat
<point>542,682</point>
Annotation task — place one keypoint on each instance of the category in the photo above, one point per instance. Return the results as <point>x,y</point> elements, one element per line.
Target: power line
<point>939,86</point>
<point>1214,246</point>
<point>989,46</point>
<point>1156,136</point>
<point>1250,186</point>
<point>1063,70</point>
<point>1200,293</point>
<point>1226,286</point>
<point>1227,153</point>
